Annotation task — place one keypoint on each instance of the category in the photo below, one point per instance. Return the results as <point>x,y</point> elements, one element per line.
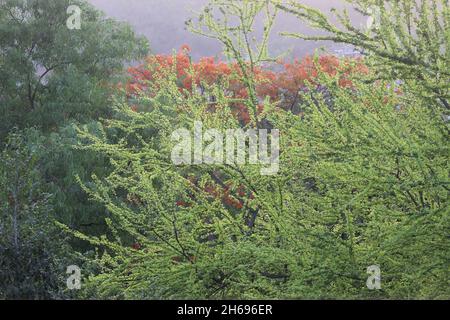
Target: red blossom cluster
<point>284,86</point>
<point>233,198</point>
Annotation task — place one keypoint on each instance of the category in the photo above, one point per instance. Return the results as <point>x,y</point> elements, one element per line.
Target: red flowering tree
<point>283,87</point>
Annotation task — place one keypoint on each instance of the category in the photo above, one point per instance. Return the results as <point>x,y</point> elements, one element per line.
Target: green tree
<point>31,262</point>
<point>364,184</point>
<point>51,75</point>
<point>407,40</point>
<point>363,181</point>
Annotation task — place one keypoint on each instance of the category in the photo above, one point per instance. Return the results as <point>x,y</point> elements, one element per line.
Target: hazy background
<point>163,23</point>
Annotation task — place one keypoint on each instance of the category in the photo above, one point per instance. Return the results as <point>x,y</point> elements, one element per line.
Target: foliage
<point>363,179</point>
<point>364,183</point>
<point>50,78</point>
<point>30,262</point>
<point>52,75</point>
<point>283,87</point>
<point>409,40</point>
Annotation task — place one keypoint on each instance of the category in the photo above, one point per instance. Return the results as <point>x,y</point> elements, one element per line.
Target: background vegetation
<point>86,176</point>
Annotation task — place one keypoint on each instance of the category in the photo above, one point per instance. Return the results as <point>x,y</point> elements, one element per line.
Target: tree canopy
<point>360,144</point>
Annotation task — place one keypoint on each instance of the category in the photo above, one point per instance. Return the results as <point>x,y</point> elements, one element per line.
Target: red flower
<point>283,87</point>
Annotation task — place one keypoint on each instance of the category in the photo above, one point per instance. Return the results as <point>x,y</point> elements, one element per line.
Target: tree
<point>409,41</point>
<point>52,75</point>
<point>353,191</point>
<point>363,181</point>
<point>31,263</point>
<point>233,25</point>
<point>283,87</point>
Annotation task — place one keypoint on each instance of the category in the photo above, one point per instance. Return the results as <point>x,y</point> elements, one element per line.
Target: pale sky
<point>162,22</point>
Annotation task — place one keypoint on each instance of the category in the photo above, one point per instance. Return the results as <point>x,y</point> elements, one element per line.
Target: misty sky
<point>162,22</point>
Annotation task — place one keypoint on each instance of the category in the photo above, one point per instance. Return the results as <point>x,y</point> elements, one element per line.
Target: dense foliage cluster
<point>282,87</point>
<point>50,78</point>
<point>363,176</point>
